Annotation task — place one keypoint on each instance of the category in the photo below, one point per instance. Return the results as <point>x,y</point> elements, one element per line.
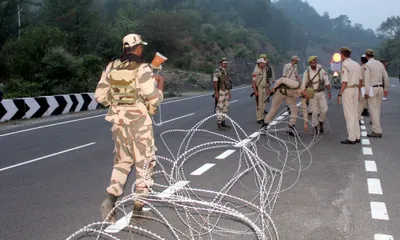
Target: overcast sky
<point>370,13</point>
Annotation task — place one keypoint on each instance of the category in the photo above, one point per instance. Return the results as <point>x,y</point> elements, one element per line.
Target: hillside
<point>64,46</point>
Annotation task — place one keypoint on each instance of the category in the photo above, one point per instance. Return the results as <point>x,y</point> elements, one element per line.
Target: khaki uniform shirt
<point>351,73</point>
<point>315,83</point>
<point>363,74</point>
<point>130,114</point>
<point>291,84</point>
<point>375,74</point>
<point>287,71</point>
<point>260,77</point>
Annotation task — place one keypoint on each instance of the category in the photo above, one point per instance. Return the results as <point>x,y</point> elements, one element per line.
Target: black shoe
<point>265,112</point>
<point>223,124</point>
<point>348,142</point>
<point>321,127</point>
<point>358,140</point>
<point>291,131</point>
<point>375,135</point>
<point>260,121</point>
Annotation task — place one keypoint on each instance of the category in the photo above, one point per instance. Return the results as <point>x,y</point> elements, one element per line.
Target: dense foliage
<point>64,45</point>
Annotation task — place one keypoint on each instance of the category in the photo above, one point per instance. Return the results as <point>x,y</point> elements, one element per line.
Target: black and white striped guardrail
<point>14,109</point>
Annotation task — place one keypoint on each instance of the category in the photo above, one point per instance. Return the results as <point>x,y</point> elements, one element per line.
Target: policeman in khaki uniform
<point>128,87</point>
<point>348,95</point>
<point>288,90</point>
<point>316,78</point>
<point>260,87</point>
<point>269,73</point>
<point>222,93</point>
<point>376,78</point>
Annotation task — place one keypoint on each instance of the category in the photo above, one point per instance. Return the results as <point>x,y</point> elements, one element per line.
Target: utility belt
<point>123,104</point>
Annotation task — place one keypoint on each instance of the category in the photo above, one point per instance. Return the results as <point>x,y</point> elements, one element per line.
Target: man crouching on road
<point>289,90</point>
<point>128,87</point>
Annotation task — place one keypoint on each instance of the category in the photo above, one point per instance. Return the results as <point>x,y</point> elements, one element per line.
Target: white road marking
<point>364,133</point>
<point>203,169</point>
<point>47,156</point>
<point>392,85</point>
<point>242,143</point>
<point>177,118</point>
<point>367,151</point>
<point>280,118</point>
<point>273,123</point>
<point>362,122</point>
<point>124,221</point>
<point>285,114</point>
<point>233,101</point>
<point>383,237</point>
<point>378,211</point>
<point>374,186</point>
<point>370,166</point>
<point>225,154</point>
<point>51,125</point>
<point>255,134</point>
<point>365,141</point>
<point>363,128</point>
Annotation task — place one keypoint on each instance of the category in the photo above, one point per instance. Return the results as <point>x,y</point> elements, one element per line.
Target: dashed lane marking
<point>378,211</point>
<point>203,169</point>
<point>383,237</point>
<point>365,141</point>
<point>370,166</point>
<point>225,154</point>
<point>367,151</point>
<point>374,186</point>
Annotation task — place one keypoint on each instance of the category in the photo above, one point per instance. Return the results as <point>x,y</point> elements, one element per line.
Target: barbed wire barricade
<point>243,206</point>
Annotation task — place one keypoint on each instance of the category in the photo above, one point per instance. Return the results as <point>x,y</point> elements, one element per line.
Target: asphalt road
<point>53,175</point>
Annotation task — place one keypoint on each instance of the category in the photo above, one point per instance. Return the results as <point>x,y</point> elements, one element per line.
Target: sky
<point>370,13</point>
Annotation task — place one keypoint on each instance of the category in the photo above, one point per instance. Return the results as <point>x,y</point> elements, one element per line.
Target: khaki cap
<point>262,55</point>
<point>344,49</point>
<point>132,39</point>
<point>261,60</point>
<point>312,59</point>
<point>369,52</point>
<point>224,60</point>
<point>295,57</point>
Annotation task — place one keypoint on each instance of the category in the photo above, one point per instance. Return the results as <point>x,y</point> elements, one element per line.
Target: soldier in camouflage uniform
<point>222,93</point>
<point>128,87</point>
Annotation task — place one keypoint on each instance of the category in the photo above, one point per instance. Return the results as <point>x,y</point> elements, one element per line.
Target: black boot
<point>106,207</point>
<point>220,127</point>
<point>291,131</point>
<point>321,127</point>
<point>223,124</point>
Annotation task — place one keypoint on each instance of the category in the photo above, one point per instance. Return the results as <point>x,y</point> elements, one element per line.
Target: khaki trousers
<point>260,107</point>
<point>222,105</point>
<point>363,104</point>
<point>350,110</point>
<point>277,100</point>
<point>319,108</point>
<point>375,104</point>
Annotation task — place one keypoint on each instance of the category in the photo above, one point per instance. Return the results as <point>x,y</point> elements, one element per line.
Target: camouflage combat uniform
<point>224,86</point>
<point>126,87</point>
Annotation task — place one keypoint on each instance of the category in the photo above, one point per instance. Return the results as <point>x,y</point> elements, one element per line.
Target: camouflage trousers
<point>133,146</point>
<point>222,105</point>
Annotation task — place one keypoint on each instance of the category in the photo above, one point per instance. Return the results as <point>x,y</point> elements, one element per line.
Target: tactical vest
<point>224,82</point>
<point>283,88</point>
<point>122,82</point>
<point>321,82</point>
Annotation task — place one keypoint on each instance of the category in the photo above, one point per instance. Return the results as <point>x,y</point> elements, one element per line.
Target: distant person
<point>222,93</point>
<point>375,78</point>
<point>260,88</point>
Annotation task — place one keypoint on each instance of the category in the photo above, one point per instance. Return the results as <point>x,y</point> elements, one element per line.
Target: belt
<point>124,104</point>
<point>379,85</point>
<point>353,86</point>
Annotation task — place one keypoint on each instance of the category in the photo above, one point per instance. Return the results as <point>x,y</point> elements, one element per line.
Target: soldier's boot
<point>223,124</point>
<point>220,127</point>
<point>365,113</point>
<point>316,130</point>
<point>106,207</point>
<point>321,127</point>
<point>291,131</point>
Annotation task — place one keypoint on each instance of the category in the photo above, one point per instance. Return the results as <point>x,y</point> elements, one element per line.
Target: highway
<point>53,175</point>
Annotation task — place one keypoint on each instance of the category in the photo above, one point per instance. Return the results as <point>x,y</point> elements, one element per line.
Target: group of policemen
<point>132,91</point>
<point>363,87</point>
